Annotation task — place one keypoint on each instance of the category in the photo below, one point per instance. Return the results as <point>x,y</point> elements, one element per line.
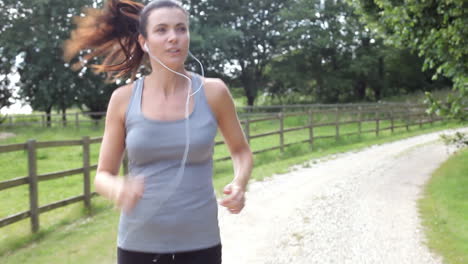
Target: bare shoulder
<point>218,95</point>
<point>215,87</point>
<point>216,92</point>
<point>120,99</point>
<point>122,93</point>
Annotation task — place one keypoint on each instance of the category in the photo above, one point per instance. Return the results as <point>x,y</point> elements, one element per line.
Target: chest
<point>149,142</point>
<point>166,109</point>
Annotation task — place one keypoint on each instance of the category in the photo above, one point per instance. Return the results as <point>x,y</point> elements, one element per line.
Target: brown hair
<point>112,33</point>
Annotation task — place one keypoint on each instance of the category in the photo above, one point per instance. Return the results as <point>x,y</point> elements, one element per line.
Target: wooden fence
<point>404,117</point>
<point>79,119</point>
<point>410,116</point>
<point>33,178</point>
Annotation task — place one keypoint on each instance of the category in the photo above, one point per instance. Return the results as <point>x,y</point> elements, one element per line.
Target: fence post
<point>86,173</point>
<point>360,121</point>
<point>33,193</point>
<point>247,129</point>
<point>10,120</point>
<point>280,116</point>
<point>377,123</point>
<point>392,122</point>
<point>311,128</point>
<point>421,116</point>
<point>77,120</point>
<point>337,123</point>
<point>407,119</point>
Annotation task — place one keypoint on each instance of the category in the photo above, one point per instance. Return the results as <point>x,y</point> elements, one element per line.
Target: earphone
<point>180,171</point>
<point>146,49</point>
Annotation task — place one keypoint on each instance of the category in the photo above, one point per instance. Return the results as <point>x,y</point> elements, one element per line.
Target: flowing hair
<point>110,33</point>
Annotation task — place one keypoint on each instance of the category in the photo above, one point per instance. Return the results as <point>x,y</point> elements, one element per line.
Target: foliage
<point>333,57</point>
<point>329,53</point>
<point>436,30</point>
<point>459,139</point>
<point>6,94</point>
<point>95,94</point>
<point>238,38</point>
<point>314,51</point>
<point>32,37</point>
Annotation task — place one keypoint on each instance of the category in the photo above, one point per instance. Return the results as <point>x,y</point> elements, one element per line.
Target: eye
<point>160,30</point>
<point>182,29</point>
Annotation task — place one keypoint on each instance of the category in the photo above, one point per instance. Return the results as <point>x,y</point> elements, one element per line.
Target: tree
<point>32,34</point>
<point>6,91</point>
<point>334,57</point>
<point>7,65</point>
<point>436,30</point>
<point>5,96</point>
<point>330,54</point>
<point>94,94</point>
<point>238,38</point>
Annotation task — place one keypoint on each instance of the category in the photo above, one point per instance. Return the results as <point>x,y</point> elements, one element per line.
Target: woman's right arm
<point>107,183</point>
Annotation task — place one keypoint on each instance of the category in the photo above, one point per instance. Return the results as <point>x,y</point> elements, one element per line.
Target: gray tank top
<point>172,216</point>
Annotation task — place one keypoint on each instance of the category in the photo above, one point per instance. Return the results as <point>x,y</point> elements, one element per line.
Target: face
<point>168,36</point>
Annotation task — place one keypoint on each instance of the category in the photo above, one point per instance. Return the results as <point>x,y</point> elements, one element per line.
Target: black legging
<point>204,256</point>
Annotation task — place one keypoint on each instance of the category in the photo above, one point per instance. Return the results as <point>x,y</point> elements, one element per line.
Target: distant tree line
<point>305,51</point>
<point>437,31</point>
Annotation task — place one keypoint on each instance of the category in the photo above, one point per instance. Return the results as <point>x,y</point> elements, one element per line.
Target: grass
<point>444,210</point>
<point>418,97</point>
<point>74,235</point>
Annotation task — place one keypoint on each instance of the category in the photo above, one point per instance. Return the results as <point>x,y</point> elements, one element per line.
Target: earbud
<point>145,48</point>
<point>180,172</point>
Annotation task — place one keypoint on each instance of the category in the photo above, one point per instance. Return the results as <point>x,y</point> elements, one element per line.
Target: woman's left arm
<point>222,104</point>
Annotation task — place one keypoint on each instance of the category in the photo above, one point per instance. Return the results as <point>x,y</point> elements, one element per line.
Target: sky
<point>18,107</point>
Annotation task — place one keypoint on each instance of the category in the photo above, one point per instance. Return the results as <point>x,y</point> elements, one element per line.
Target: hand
<point>235,199</point>
<point>127,192</point>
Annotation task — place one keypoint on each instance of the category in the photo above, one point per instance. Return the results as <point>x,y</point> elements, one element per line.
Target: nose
<point>172,38</point>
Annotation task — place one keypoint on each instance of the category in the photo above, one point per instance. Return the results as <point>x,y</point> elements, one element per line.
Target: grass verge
<point>444,210</point>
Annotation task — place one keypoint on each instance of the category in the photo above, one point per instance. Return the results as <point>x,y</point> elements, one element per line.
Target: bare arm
<point>107,182</point>
<point>223,106</point>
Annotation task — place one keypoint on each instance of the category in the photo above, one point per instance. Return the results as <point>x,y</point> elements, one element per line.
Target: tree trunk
<point>381,81</point>
<point>250,100</point>
<point>319,91</point>
<point>249,88</point>
<point>64,117</point>
<point>48,114</point>
<point>360,88</point>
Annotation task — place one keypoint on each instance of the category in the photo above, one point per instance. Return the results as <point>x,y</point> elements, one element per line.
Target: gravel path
<point>356,207</point>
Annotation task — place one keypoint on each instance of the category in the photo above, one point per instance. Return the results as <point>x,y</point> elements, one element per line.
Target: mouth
<point>173,51</point>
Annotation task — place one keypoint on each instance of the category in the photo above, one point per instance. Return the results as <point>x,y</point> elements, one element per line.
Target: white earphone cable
<point>181,170</point>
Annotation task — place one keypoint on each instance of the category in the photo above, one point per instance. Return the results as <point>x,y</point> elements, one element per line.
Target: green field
<point>444,210</point>
<point>75,235</point>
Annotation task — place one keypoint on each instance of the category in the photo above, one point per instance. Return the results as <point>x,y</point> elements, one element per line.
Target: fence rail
<point>79,119</point>
<point>334,118</point>
<point>34,178</point>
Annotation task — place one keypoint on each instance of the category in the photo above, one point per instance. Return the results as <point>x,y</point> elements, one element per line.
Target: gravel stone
<point>355,207</point>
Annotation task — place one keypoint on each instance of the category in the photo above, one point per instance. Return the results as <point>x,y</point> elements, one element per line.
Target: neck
<point>167,82</point>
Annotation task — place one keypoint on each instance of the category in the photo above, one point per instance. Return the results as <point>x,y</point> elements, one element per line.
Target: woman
<point>169,209</point>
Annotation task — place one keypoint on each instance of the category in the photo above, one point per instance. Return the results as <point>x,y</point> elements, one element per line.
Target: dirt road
<point>357,207</point>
